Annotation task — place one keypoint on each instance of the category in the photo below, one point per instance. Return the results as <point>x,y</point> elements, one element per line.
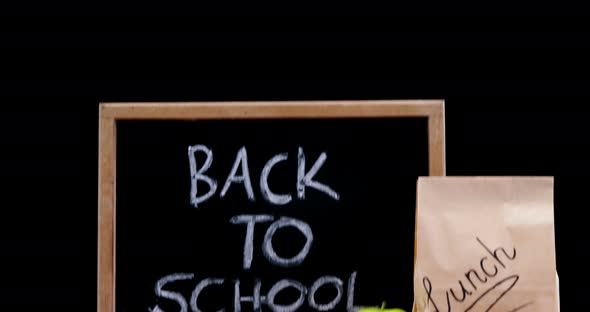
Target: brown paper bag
<point>485,244</point>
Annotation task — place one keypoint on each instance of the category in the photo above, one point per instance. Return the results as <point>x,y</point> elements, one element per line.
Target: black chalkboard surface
<point>262,206</point>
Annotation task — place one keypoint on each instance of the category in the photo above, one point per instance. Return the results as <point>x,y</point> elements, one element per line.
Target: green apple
<point>381,309</point>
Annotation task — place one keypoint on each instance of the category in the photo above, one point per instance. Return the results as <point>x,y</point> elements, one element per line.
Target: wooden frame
<point>111,112</point>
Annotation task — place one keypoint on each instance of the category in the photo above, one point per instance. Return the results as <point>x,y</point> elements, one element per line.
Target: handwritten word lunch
<point>489,268</point>
<point>200,161</point>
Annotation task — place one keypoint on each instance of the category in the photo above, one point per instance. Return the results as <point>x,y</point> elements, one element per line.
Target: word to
<point>267,248</point>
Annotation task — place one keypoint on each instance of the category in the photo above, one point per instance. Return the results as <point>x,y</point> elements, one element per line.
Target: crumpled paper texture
<point>485,244</point>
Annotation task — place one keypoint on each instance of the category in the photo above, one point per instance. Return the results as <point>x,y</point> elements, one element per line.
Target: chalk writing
<point>278,287</point>
<point>250,220</point>
<point>269,251</point>
<point>304,179</point>
<point>336,282</point>
<point>239,174</point>
<point>174,296</point>
<point>267,194</point>
<point>267,247</point>
<point>197,174</point>
<point>241,161</point>
<point>200,286</point>
<point>257,300</point>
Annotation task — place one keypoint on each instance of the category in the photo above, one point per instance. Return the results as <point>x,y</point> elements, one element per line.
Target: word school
<point>257,300</point>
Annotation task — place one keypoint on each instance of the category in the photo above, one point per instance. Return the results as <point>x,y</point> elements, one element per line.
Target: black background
<point>514,77</point>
